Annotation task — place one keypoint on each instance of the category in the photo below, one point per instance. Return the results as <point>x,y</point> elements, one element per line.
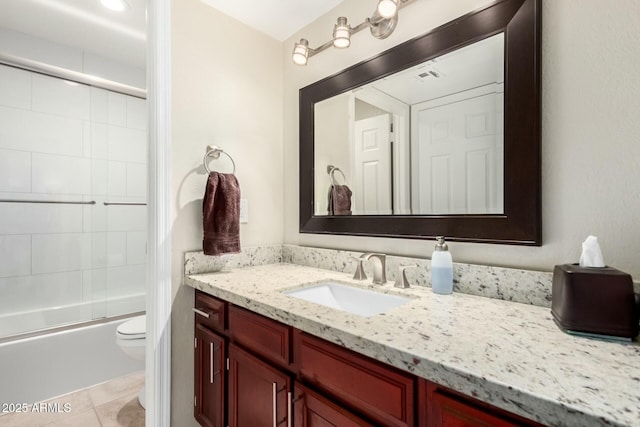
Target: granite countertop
<point>507,354</point>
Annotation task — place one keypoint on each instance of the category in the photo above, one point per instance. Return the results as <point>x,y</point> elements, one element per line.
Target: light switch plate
<point>244,211</point>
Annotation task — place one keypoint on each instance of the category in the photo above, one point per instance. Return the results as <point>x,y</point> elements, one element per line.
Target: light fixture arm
<point>320,48</point>
<point>361,26</point>
<point>379,26</point>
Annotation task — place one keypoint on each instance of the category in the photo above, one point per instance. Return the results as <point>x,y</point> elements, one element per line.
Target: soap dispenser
<point>441,268</point>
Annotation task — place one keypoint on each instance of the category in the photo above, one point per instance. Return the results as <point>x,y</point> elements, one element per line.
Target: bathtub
<point>40,367</point>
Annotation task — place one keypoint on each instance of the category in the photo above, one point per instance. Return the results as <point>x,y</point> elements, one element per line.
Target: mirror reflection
<point>427,140</point>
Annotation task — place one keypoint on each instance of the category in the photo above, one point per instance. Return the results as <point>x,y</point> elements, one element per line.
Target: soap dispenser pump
<point>441,268</point>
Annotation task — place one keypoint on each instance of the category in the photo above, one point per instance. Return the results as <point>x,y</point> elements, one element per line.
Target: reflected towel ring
<point>213,151</point>
<point>331,170</point>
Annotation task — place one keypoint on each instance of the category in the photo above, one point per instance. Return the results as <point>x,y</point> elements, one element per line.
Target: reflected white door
<point>459,148</point>
<point>372,157</point>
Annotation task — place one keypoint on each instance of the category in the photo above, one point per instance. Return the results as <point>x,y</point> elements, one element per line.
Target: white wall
<point>65,141</point>
<point>226,91</point>
<point>590,129</point>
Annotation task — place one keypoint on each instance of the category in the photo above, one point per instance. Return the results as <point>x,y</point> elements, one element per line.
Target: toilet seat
<point>133,329</point>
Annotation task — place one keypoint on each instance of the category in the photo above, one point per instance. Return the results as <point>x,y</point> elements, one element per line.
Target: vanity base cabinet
<point>254,371</point>
<point>259,394</point>
<point>311,409</point>
<point>210,387</point>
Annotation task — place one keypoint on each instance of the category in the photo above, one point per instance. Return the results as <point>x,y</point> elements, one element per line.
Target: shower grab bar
<point>123,204</point>
<point>58,202</point>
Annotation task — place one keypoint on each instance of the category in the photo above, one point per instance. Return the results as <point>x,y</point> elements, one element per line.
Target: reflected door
<point>458,141</point>
<point>372,158</point>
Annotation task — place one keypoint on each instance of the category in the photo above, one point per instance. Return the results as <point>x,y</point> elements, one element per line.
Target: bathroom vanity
<point>436,360</point>
<point>273,365</point>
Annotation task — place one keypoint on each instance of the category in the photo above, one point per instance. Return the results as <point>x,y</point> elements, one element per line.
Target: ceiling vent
<point>431,73</point>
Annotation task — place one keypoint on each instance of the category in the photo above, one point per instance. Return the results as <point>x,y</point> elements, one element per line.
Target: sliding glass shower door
<point>72,202</point>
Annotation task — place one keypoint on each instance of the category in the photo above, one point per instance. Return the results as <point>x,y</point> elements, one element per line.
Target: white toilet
<point>131,337</point>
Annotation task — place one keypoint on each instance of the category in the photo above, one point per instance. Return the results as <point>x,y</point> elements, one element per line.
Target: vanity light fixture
<point>381,24</point>
<point>116,5</point>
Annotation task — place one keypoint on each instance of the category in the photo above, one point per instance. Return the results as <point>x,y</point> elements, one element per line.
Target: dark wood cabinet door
<point>259,394</point>
<point>314,410</point>
<point>209,381</point>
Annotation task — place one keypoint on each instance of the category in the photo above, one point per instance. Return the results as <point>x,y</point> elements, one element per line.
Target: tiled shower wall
<point>64,141</point>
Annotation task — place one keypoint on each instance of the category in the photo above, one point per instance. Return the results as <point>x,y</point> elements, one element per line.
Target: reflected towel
<point>339,200</point>
<point>221,214</point>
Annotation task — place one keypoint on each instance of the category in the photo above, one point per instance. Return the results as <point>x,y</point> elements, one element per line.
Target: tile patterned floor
<point>110,404</point>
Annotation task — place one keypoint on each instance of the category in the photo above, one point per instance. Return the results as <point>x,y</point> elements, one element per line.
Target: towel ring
<point>331,170</point>
<point>213,151</point>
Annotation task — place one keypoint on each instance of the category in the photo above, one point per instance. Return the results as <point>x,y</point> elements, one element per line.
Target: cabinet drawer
<point>386,395</point>
<point>210,311</point>
<point>447,408</point>
<point>447,411</point>
<point>266,337</point>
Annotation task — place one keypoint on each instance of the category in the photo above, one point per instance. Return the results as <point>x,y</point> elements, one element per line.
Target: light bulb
<point>301,52</point>
<point>341,33</point>
<point>388,8</point>
<point>116,5</point>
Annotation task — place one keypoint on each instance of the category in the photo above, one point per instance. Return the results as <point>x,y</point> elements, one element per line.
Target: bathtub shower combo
<point>72,234</point>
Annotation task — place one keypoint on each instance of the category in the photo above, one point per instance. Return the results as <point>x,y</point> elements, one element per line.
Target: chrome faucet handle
<point>359,274</point>
<point>401,279</point>
<point>379,267</point>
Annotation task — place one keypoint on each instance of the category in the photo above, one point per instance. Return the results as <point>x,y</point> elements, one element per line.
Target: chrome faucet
<point>379,267</point>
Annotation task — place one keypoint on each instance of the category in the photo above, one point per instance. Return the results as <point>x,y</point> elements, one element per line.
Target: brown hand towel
<point>339,200</point>
<point>221,214</point>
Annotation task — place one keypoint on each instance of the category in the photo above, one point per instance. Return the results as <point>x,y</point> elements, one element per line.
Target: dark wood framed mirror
<point>518,218</point>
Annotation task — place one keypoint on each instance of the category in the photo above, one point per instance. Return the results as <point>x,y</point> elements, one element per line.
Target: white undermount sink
<point>362,302</point>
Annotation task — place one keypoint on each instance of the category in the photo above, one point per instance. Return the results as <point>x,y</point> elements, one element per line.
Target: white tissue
<point>591,253</point>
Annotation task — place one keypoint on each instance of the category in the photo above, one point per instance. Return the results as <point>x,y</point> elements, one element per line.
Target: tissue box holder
<point>594,300</point>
